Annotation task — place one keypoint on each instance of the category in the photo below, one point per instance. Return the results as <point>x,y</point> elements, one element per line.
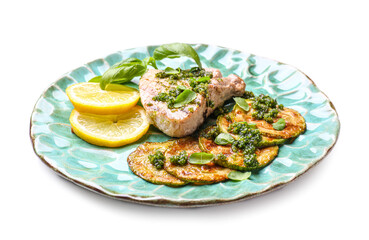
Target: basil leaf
<point>124,71</point>
<point>280,124</point>
<point>170,70</point>
<point>239,176</point>
<point>185,97</point>
<point>224,139</point>
<point>241,102</point>
<point>176,50</point>
<point>95,79</point>
<point>150,61</point>
<point>180,87</point>
<point>201,158</point>
<point>203,80</point>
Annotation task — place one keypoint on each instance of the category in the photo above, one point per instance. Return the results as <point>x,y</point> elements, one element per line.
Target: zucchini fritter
<point>196,174</point>
<point>235,160</point>
<point>224,122</point>
<point>295,123</point>
<point>140,165</point>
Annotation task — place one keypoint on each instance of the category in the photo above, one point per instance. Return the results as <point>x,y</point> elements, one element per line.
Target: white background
<point>328,40</point>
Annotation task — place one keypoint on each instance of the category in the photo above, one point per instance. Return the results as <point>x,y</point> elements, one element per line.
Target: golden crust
<point>235,160</point>
<point>295,123</point>
<point>197,174</point>
<point>140,165</point>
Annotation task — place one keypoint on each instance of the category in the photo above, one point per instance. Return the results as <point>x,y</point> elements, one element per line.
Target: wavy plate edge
<point>167,202</point>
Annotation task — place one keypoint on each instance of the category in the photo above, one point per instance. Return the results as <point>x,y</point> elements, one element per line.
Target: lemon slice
<point>89,98</point>
<point>110,130</point>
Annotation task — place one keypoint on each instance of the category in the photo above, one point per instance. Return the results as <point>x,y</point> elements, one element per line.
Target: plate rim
<point>183,203</point>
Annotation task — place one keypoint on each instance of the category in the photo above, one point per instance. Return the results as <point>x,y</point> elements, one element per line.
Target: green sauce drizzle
<point>169,97</point>
<point>179,160</point>
<point>266,108</point>
<point>249,137</point>
<point>157,160</point>
<point>197,77</point>
<point>211,134</point>
<point>184,74</point>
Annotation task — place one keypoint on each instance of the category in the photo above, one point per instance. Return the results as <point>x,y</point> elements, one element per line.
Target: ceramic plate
<point>105,170</point>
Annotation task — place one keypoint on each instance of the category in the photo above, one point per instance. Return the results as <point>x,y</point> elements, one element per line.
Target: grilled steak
<point>180,122</point>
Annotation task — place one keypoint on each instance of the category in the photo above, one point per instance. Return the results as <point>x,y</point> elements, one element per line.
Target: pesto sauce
<point>184,74</point>
<point>197,78</point>
<point>169,97</point>
<point>221,157</point>
<point>249,138</point>
<point>200,85</point>
<point>266,108</point>
<point>211,134</point>
<point>179,160</point>
<point>157,159</point>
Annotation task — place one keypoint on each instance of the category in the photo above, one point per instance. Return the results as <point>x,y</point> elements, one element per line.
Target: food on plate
<point>110,130</point>
<point>236,145</point>
<point>247,158</point>
<point>109,117</point>
<point>193,173</point>
<point>224,122</point>
<point>247,136</point>
<point>147,162</point>
<point>265,114</point>
<point>88,97</point>
<point>179,102</point>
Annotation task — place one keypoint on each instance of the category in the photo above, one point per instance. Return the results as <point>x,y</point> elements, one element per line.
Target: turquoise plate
<point>105,170</point>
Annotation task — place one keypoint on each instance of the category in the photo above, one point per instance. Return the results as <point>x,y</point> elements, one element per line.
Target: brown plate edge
<point>188,204</point>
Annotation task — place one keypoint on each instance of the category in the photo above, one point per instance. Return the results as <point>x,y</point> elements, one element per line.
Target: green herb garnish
<point>176,50</point>
<point>179,160</point>
<point>249,138</point>
<point>201,158</point>
<point>266,108</point>
<point>239,176</point>
<point>125,71</point>
<point>171,71</point>
<point>212,133</point>
<point>96,79</point>
<point>280,124</point>
<point>185,97</point>
<point>241,102</point>
<point>224,139</point>
<point>157,159</point>
<point>180,87</point>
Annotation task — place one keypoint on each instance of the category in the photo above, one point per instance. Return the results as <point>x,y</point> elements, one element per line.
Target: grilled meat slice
<point>184,121</point>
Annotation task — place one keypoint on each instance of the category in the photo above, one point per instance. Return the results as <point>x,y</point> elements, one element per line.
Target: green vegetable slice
<point>241,102</point>
<point>184,98</point>
<point>224,122</point>
<point>201,158</point>
<point>139,163</point>
<point>194,173</point>
<point>235,160</point>
<point>239,176</point>
<point>295,123</point>
<point>176,50</point>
